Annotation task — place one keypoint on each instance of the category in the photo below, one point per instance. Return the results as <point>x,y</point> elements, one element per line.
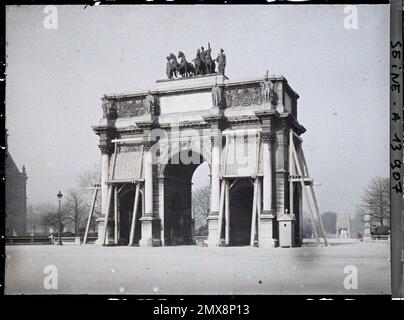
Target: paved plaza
<point>91,269</point>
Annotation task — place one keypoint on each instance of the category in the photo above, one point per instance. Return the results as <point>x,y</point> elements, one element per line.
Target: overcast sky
<point>55,79</point>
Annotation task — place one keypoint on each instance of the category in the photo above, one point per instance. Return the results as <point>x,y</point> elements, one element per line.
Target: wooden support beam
<point>291,173</point>
<point>305,192</point>
<point>227,213</point>
<point>121,188</point>
<point>233,183</point>
<point>104,240</point>
<point>226,152</point>
<point>313,194</point>
<point>143,200</point>
<point>318,215</point>
<point>114,161</point>
<point>259,208</point>
<point>134,214</point>
<point>254,214</point>
<point>116,215</point>
<point>109,196</point>
<point>90,216</point>
<point>297,136</point>
<point>221,205</point>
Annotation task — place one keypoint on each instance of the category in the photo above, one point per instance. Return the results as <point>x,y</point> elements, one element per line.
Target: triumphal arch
<point>246,130</point>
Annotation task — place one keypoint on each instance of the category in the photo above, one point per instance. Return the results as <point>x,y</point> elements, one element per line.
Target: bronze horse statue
<point>203,64</point>
<point>200,67</point>
<point>185,68</point>
<point>207,59</point>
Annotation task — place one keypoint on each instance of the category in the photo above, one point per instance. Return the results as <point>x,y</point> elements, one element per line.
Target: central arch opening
<point>179,220</point>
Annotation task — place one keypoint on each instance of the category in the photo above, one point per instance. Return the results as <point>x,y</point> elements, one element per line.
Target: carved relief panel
<point>133,107</point>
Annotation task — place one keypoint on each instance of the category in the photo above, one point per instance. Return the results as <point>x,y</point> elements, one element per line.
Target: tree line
<point>373,205</point>
<point>374,202</point>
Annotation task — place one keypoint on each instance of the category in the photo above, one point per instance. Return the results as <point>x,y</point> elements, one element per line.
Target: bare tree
<point>50,220</point>
<point>376,200</point>
<point>75,208</point>
<point>87,182</point>
<point>201,205</point>
<point>45,216</point>
<point>329,221</point>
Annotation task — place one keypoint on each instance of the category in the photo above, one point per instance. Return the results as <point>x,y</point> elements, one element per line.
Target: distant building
<point>343,225</point>
<point>16,198</point>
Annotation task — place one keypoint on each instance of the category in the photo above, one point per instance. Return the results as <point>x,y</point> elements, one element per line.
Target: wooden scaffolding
<point>114,188</point>
<point>299,173</point>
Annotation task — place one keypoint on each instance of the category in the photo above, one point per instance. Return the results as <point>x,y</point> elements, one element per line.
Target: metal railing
<point>45,240</point>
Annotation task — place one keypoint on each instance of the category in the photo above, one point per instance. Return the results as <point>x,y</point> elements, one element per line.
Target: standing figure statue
<point>266,87</point>
<point>216,95</point>
<point>169,70</point>
<point>203,57</point>
<point>210,64</point>
<point>149,103</point>
<point>221,62</point>
<point>267,92</point>
<point>174,64</point>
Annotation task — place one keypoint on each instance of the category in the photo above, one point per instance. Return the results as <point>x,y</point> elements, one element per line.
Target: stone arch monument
<point>151,143</point>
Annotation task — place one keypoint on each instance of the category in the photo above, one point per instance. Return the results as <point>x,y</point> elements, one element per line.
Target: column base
<point>149,231</point>
<point>146,242</point>
<point>265,237</point>
<point>213,220</point>
<point>100,230</point>
<point>268,243</point>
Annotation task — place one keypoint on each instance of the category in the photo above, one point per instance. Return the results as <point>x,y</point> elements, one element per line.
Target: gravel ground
<point>91,269</point>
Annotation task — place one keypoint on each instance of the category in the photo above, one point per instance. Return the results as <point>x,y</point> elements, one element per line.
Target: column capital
<point>106,134</point>
<point>216,139</point>
<point>106,148</point>
<point>268,137</point>
<point>147,145</point>
<point>216,121</point>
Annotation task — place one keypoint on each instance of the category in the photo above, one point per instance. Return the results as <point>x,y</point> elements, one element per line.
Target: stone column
<point>281,167</point>
<point>215,188</point>
<point>148,182</point>
<point>265,237</point>
<point>106,132</point>
<point>300,193</point>
<point>161,209</point>
<point>148,219</point>
<point>105,157</point>
<point>216,151</point>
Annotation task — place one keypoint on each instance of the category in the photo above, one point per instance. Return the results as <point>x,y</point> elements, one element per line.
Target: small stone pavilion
<point>343,225</point>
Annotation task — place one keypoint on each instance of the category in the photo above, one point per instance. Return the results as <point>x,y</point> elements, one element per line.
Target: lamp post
<point>60,196</point>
